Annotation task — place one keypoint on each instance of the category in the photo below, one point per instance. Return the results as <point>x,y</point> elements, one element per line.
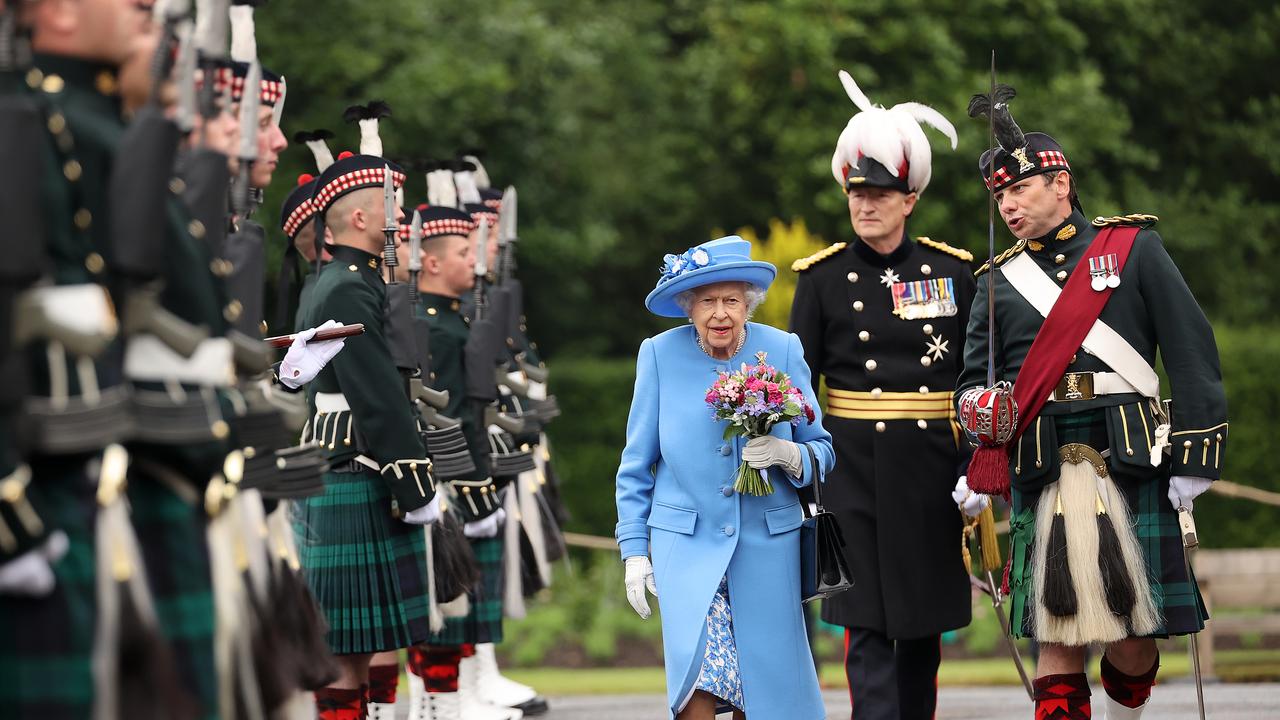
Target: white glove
<point>1184,489</point>
<point>486,528</point>
<point>306,359</point>
<point>31,574</point>
<point>767,451</point>
<point>969,502</point>
<point>424,515</point>
<point>639,577</point>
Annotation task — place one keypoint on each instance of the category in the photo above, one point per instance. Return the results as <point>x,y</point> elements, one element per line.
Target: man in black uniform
<point>883,318</point>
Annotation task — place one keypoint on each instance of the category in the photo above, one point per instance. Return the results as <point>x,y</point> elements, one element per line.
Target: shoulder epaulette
<point>1002,257</point>
<point>805,263</point>
<point>942,247</point>
<point>1134,219</point>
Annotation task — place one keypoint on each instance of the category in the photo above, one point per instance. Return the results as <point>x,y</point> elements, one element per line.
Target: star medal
<point>888,278</point>
<point>938,347</point>
<point>1104,272</point>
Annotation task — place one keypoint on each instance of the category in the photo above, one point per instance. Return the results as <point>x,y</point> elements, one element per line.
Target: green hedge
<point>595,395</point>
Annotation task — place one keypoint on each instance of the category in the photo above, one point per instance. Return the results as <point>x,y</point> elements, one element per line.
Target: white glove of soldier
<point>31,574</point>
<point>424,515</point>
<point>1184,489</point>
<point>969,502</point>
<point>486,528</point>
<point>767,451</point>
<point>639,577</point>
<point>306,359</point>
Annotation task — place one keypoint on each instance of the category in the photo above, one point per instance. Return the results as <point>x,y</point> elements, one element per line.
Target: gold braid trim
<point>1133,219</point>
<point>805,263</point>
<point>942,247</point>
<point>1002,257</point>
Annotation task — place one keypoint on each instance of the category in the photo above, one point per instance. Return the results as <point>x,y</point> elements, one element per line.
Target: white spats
<point>492,686</point>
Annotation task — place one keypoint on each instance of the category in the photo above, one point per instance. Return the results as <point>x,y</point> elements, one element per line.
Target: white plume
<point>441,192</point>
<point>433,189</point>
<point>468,192</point>
<point>370,141</point>
<point>482,176</point>
<point>244,44</point>
<point>891,137</point>
<point>323,155</point>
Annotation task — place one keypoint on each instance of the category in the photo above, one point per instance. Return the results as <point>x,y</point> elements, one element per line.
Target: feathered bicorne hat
<point>1017,155</point>
<point>886,148</point>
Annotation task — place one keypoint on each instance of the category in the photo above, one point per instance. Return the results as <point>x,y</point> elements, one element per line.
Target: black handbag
<point>823,569</point>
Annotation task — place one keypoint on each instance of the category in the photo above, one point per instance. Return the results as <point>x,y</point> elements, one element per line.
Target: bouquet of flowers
<point>753,400</point>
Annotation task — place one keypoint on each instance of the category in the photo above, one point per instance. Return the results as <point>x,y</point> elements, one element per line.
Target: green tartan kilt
<point>1176,595</point>
<point>366,569</point>
<point>175,549</point>
<point>484,623</point>
<point>46,643</point>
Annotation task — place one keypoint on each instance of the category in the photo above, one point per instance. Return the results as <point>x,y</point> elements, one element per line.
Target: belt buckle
<point>1074,386</point>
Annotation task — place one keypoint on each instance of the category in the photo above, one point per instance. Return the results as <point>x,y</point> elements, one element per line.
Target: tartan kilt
<point>484,623</point>
<point>1175,592</point>
<point>171,534</point>
<point>46,643</point>
<point>366,569</point>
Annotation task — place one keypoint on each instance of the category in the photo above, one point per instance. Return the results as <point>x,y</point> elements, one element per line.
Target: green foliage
<point>785,243</point>
<point>636,127</point>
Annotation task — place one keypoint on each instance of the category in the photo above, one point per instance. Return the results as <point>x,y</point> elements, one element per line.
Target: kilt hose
<point>1155,523</point>
<point>171,535</point>
<point>483,624</point>
<point>46,643</point>
<point>366,569</point>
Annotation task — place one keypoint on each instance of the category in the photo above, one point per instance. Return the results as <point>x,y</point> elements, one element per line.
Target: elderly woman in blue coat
<point>726,565</point>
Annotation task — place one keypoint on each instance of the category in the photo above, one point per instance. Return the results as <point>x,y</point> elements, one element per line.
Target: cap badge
<point>1023,163</point>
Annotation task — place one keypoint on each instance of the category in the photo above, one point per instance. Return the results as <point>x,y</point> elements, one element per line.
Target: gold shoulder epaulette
<point>1019,247</point>
<point>1134,219</point>
<point>942,247</point>
<point>805,263</point>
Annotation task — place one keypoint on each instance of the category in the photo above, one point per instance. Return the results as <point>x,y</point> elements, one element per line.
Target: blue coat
<point>676,503</point>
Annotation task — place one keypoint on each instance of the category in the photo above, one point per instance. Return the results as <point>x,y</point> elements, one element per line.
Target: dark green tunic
<point>1154,310</point>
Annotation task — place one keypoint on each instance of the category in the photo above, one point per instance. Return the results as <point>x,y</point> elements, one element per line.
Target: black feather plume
<point>377,109</point>
<point>355,113</point>
<point>1008,134</point>
<point>306,136</point>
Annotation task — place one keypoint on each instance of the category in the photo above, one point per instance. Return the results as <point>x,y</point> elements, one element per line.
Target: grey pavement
<point>1175,700</point>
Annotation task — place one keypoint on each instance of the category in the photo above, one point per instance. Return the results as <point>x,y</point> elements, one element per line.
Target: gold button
<point>72,170</point>
<point>196,228</point>
<point>232,311</point>
<point>871,364</point>
<point>853,277</point>
<point>928,329</point>
<point>880,426</point>
<point>413,466</point>
<point>106,83</point>
<point>52,84</point>
<point>177,186</point>
<point>466,489</point>
<point>249,453</point>
<point>924,389</point>
<point>352,268</point>
<point>1062,275</point>
<point>281,464</point>
<point>875,392</point>
<point>1059,258</point>
<point>1219,437</point>
<point>93,263</point>
<point>57,123</point>
<point>1186,444</point>
<point>34,78</point>
<point>857,305</point>
<point>1206,442</point>
<point>1129,452</point>
<point>922,424</point>
<point>83,218</point>
<point>926,361</point>
<point>220,429</point>
<point>864,336</point>
<point>926,269</point>
<point>431,311</point>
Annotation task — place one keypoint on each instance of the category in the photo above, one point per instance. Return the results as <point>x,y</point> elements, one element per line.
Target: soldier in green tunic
<point>1099,475</point>
<point>360,552</point>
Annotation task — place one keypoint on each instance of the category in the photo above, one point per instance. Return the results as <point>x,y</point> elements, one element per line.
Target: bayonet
<point>250,103</point>
<point>185,77</point>
<point>390,227</point>
<point>415,254</point>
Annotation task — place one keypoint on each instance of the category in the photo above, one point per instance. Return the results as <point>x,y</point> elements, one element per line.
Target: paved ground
<point>1173,701</point>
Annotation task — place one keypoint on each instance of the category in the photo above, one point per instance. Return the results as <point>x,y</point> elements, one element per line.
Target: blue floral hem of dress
<point>719,675</point>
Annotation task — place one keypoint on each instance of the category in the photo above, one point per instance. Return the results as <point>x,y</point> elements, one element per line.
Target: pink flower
<point>775,397</point>
<point>712,396</point>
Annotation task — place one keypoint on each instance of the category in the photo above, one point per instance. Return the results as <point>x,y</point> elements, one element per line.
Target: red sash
<point>1060,337</point>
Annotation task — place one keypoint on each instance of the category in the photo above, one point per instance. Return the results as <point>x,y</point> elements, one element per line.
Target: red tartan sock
<point>437,665</point>
<point>382,683</point>
<point>1130,691</point>
<point>1062,697</point>
<point>468,650</point>
<point>340,703</point>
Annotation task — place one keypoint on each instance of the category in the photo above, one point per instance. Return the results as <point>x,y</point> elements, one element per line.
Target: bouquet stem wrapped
<point>753,400</point>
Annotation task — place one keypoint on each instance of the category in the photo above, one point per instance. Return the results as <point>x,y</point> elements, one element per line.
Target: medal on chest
<point>1103,272</point>
<point>923,299</point>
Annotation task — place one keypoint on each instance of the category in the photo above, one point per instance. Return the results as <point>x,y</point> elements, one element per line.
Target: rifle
<point>431,398</point>
<point>398,311</point>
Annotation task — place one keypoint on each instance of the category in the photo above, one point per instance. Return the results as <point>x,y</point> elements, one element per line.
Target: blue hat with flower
<point>727,259</point>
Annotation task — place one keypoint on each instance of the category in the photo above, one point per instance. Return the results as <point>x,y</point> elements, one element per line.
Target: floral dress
<point>719,675</point>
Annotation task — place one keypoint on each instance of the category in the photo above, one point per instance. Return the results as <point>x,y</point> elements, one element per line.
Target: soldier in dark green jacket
<point>1104,452</point>
<point>361,553</point>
